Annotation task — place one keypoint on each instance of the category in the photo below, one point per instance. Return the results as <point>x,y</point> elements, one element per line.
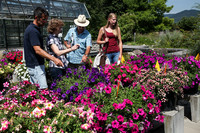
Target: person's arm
<point>120,43</point>
<point>61,52</point>
<point>67,45</point>
<point>101,32</point>
<point>84,58</point>
<point>44,54</point>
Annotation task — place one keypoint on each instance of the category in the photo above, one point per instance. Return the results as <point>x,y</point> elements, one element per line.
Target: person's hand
<point>75,47</point>
<point>120,57</point>
<point>106,39</point>
<point>84,58</point>
<point>58,62</point>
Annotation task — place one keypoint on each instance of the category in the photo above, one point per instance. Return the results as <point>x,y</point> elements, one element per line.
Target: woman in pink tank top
<point>110,36</point>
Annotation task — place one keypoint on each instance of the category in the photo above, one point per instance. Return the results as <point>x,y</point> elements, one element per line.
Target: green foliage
<point>128,25</point>
<point>171,39</point>
<point>147,39</point>
<point>99,10</point>
<point>149,16</point>
<point>61,117</point>
<point>188,23</point>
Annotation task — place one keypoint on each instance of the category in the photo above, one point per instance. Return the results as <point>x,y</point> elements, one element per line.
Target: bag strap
<point>106,44</point>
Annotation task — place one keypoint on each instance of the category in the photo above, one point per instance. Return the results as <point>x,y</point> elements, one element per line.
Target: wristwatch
<point>86,55</point>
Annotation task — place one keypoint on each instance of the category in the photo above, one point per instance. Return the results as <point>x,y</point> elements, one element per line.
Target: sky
<point>180,5</point>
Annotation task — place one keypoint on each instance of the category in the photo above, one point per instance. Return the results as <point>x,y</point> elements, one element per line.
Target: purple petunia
<point>68,91</point>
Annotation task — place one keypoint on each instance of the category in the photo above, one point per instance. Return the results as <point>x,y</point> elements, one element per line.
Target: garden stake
<point>197,57</point>
<point>165,69</point>
<point>157,66</point>
<point>118,86</point>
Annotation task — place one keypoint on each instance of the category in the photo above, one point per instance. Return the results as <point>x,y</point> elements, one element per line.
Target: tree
<point>99,10</point>
<point>188,23</point>
<point>128,26</point>
<point>150,14</point>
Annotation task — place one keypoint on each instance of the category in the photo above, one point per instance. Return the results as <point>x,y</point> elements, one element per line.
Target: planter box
<point>174,120</point>
<point>195,107</point>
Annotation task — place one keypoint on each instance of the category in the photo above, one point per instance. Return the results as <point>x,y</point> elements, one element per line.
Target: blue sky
<point>180,5</point>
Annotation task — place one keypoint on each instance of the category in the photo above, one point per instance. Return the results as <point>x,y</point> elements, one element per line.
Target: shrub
<point>77,82</point>
<point>171,39</point>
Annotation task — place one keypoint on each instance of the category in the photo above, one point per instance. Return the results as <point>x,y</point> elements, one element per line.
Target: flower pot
<point>171,103</point>
<point>1,83</point>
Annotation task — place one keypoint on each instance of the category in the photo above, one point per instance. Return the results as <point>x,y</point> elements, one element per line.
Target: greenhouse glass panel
<point>3,7</point>
<point>16,15</point>
<point>15,8</point>
<point>23,9</point>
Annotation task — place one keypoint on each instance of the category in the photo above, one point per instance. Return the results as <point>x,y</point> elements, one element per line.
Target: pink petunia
<point>108,89</point>
<point>78,98</point>
<point>151,96</point>
<point>80,109</point>
<point>82,114</point>
<point>49,105</point>
<point>85,126</point>
<point>141,112</point>
<point>143,88</point>
<point>29,131</point>
<point>115,105</point>
<point>160,118</point>
<point>150,106</point>
<point>115,124</point>
<point>131,124</point>
<point>123,75</point>
<point>157,109</point>
<point>47,129</point>
<point>135,129</point>
<point>119,76</point>
<point>128,101</point>
<point>109,130</point>
<point>122,105</point>
<point>33,93</point>
<point>104,116</point>
<point>135,116</point>
<point>90,115</point>
<point>37,114</point>
<point>4,125</point>
<point>120,118</point>
<point>6,84</point>
<point>43,112</point>
<point>144,97</point>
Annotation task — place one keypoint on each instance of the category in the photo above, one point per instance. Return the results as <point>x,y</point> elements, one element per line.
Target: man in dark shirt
<point>33,49</point>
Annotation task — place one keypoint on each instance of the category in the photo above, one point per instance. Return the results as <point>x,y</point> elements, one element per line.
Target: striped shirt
<point>53,39</point>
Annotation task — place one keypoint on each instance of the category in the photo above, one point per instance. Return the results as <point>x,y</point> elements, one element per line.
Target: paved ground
<point>191,127</point>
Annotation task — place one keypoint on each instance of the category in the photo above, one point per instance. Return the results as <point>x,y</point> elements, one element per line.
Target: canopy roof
<point>66,10</point>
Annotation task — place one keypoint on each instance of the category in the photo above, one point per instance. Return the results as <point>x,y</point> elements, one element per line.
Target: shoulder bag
<point>101,59</point>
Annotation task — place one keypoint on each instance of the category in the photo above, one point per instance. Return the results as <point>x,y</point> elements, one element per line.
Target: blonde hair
<point>115,30</point>
<point>53,24</point>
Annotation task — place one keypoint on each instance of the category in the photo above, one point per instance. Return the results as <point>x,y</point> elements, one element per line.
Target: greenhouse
<point>16,15</point>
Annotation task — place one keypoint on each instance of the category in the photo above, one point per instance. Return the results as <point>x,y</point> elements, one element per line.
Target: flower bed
<point>118,98</point>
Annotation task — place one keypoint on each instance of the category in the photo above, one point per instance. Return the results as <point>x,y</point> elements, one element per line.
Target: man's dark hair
<point>39,11</point>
